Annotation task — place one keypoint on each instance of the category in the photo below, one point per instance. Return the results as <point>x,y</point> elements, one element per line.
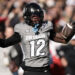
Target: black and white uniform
<point>35,47</point>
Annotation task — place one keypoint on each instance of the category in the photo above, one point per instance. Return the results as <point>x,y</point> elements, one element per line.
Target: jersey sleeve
<point>18,29</point>
<point>50,25</point>
<point>47,26</point>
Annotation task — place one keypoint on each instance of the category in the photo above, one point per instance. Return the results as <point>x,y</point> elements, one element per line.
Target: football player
<point>34,35</point>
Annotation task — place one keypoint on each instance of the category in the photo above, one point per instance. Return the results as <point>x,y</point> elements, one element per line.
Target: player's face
<point>35,19</point>
<point>9,32</point>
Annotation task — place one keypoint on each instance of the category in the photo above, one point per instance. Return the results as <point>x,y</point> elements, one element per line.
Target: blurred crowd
<point>59,12</point>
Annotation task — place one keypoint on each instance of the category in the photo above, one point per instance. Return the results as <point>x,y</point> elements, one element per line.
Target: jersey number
<point>38,51</point>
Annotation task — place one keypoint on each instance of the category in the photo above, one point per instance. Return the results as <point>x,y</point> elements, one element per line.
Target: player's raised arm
<point>66,33</point>
<point>14,39</point>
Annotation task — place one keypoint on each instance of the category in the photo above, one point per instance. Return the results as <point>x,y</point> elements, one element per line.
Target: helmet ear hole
<point>35,10</point>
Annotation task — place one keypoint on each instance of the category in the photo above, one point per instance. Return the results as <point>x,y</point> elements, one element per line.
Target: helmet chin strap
<point>35,28</point>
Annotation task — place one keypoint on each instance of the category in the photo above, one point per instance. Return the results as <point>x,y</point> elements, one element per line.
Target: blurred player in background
<point>67,55</point>
<point>13,54</point>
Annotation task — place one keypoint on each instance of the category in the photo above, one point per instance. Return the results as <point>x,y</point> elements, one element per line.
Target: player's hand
<point>13,67</point>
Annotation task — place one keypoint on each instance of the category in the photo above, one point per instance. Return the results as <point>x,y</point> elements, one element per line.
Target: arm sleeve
<point>52,34</point>
<point>14,39</point>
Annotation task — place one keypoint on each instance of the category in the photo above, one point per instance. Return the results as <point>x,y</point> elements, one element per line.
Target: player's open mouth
<point>35,18</point>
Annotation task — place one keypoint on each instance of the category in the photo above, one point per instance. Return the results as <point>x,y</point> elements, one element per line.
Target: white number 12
<point>38,51</point>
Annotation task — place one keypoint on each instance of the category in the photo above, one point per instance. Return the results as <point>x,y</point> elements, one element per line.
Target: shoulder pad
<point>18,27</point>
<point>47,26</point>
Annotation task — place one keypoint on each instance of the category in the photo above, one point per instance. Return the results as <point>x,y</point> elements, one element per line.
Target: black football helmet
<point>33,14</point>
